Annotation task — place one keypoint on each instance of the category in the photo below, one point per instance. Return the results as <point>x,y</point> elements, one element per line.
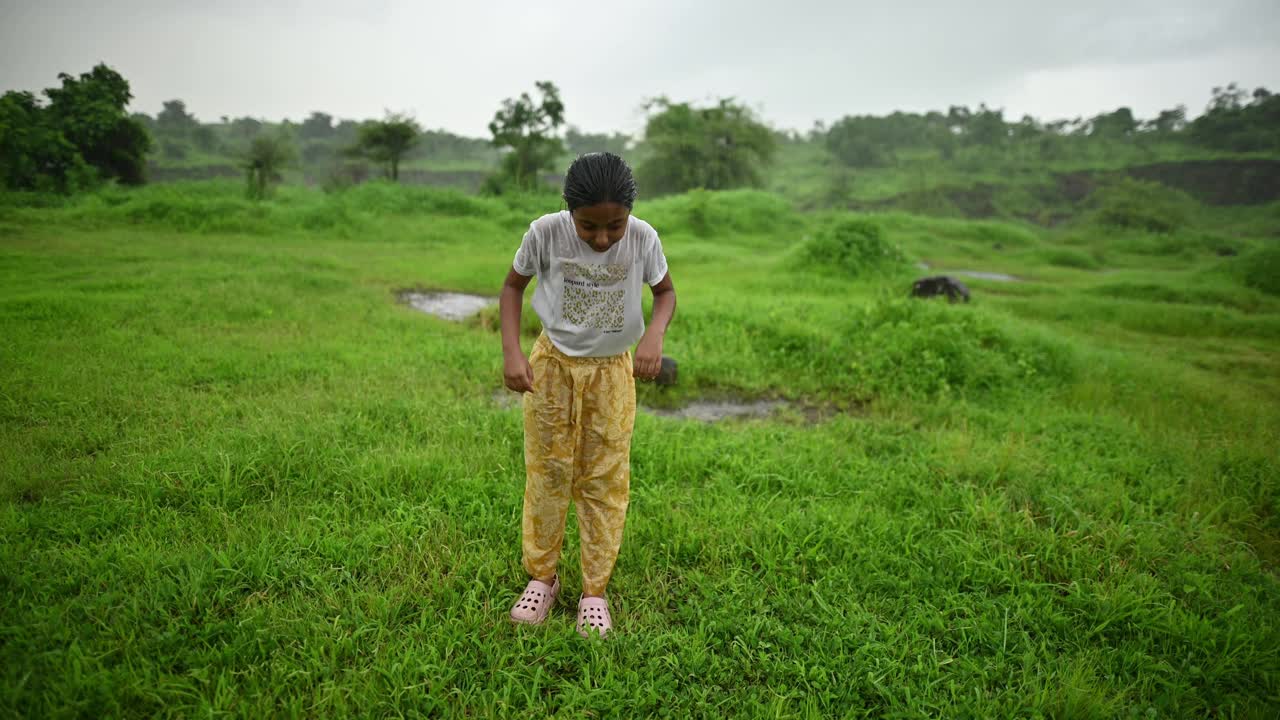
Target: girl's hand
<point>648,359</point>
<point>517,373</point>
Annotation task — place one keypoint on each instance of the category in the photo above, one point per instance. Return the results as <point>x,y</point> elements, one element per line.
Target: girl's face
<point>601,226</point>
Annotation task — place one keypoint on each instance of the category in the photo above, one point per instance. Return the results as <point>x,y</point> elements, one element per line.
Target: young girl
<point>580,401</point>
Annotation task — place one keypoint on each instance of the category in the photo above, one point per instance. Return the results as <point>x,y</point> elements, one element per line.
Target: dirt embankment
<point>1218,182</point>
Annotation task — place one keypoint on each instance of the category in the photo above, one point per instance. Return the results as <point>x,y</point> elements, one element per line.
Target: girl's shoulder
<point>645,235</point>
<point>551,223</point>
<point>643,227</point>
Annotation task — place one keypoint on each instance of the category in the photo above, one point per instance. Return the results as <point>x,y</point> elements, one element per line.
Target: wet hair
<point>599,177</point>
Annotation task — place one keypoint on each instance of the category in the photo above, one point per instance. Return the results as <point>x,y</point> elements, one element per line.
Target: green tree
<point>987,127</point>
<point>145,121</point>
<point>90,113</point>
<point>246,127</point>
<point>718,147</point>
<point>1168,122</point>
<point>386,141</point>
<point>174,120</point>
<point>528,131</point>
<point>1238,121</point>
<point>346,132</point>
<point>857,143</point>
<point>84,132</point>
<point>1117,125</point>
<point>318,126</point>
<point>33,154</point>
<point>266,156</point>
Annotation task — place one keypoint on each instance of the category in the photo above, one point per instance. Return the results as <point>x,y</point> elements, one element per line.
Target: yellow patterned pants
<point>577,445</point>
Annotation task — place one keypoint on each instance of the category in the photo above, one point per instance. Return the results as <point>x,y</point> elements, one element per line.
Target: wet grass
<point>237,477</point>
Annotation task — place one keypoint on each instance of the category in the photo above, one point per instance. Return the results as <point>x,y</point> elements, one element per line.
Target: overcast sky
<point>795,61</point>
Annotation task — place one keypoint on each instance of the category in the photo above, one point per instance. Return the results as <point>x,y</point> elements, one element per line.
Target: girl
<point>580,401</point>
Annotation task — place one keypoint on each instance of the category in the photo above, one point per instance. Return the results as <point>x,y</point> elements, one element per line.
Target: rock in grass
<point>667,375</point>
<point>940,285</point>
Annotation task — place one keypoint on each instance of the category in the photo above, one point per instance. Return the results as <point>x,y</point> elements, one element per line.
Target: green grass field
<point>237,478</point>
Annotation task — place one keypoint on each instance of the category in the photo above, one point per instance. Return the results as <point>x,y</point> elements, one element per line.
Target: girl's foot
<point>593,616</point>
<point>536,602</point>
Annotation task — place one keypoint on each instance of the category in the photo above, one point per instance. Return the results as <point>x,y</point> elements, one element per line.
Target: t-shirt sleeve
<point>655,263</point>
<point>530,254</point>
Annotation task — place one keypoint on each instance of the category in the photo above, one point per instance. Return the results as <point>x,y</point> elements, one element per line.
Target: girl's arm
<point>648,358</point>
<point>517,374</point>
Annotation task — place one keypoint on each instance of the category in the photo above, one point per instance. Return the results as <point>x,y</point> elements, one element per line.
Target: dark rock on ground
<point>940,285</point>
<point>667,375</point>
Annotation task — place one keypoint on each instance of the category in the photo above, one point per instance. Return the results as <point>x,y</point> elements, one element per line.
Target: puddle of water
<point>507,400</point>
<point>997,277</point>
<point>706,411</point>
<point>979,274</point>
<point>447,305</point>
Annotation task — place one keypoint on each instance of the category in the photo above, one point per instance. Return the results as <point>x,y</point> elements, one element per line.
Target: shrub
<point>1067,257</point>
<point>854,247</point>
<point>1261,269</point>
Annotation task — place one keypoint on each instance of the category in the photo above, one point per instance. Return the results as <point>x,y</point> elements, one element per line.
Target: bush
<point>1261,269</point>
<point>855,247</point>
<point>1141,205</point>
<point>1066,257</point>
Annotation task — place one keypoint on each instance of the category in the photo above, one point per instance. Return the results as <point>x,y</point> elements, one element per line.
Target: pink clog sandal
<point>593,616</point>
<point>536,602</point>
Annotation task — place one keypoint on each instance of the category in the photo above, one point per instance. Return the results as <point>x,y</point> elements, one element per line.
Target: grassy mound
<point>926,349</point>
<point>1260,269</point>
<point>1070,258</point>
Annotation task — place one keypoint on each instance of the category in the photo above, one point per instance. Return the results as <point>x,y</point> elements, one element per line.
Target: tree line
<point>1234,121</point>
<point>80,134</point>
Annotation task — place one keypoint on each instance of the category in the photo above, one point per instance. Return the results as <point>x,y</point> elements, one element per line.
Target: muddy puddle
<point>715,411</point>
<point>448,305</point>
<point>977,274</point>
<point>710,411</point>
<point>997,277</point>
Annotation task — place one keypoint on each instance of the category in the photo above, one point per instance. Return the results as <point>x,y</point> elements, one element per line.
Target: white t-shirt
<point>588,301</point>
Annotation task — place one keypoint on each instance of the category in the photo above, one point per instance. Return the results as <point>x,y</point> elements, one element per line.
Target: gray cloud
<point>798,61</point>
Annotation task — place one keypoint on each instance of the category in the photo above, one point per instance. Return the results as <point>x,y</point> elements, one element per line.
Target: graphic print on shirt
<point>593,295</point>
